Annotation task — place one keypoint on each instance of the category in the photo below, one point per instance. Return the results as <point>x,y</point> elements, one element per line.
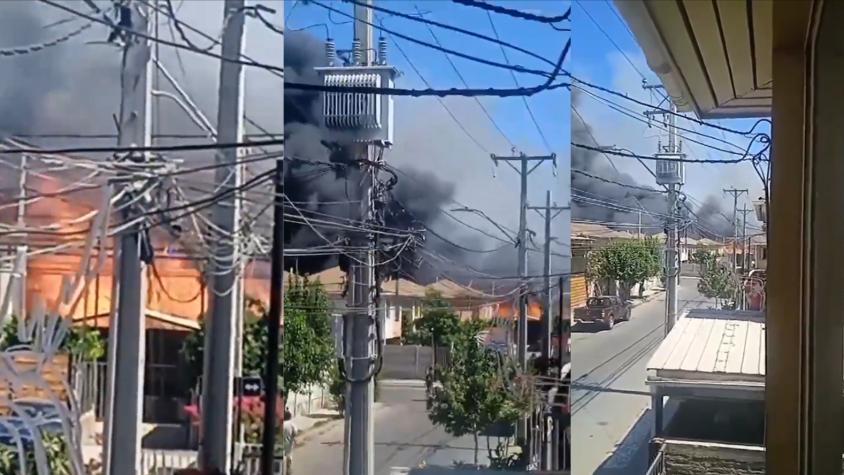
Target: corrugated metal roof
<point>713,344</point>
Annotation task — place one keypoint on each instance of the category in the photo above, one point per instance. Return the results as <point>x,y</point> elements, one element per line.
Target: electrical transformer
<point>368,117</point>
<point>670,169</point>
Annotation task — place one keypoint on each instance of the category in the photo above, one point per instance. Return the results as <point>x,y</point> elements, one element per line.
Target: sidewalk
<point>647,296</point>
<point>319,422</point>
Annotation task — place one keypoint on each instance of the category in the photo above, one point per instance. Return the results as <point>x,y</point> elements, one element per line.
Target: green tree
<point>439,322</point>
<point>474,393</point>
<point>628,262</point>
<point>308,350</point>
<point>408,331</point>
<point>81,342</point>
<point>704,258</point>
<point>717,282</point>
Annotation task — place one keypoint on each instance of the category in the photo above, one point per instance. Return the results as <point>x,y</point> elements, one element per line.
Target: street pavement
<point>611,418</point>
<point>404,438</point>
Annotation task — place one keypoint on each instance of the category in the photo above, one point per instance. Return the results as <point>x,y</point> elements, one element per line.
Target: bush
<point>337,388</point>
<point>83,343</point>
<point>58,458</point>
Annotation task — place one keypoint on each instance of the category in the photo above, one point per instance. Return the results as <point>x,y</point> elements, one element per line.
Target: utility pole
<point>359,321</point>
<point>274,322</point>
<point>736,193</point>
<point>524,172</point>
<point>670,173</point>
<point>218,365</point>
<point>744,262</point>
<point>127,343</point>
<point>21,250</point>
<point>639,227</point>
<point>547,323</point>
<point>744,212</point>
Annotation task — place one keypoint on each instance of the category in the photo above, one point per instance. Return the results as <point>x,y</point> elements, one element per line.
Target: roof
<point>406,288</point>
<point>598,231</point>
<point>714,58</point>
<point>333,280</point>
<point>712,345</point>
<point>452,290</point>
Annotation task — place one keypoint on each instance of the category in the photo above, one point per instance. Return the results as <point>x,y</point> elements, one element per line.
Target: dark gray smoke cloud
<point>416,201</point>
<point>56,88</point>
<point>619,205</point>
<point>74,89</point>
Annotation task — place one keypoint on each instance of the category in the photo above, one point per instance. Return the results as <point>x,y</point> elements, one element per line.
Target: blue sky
<point>598,60</point>
<point>426,133</point>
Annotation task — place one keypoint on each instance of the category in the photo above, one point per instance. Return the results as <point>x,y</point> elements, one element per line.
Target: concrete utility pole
<point>524,172</point>
<point>744,261</point>
<point>21,249</point>
<point>736,193</point>
<point>672,274</point>
<point>219,354</point>
<point>672,180</point>
<point>744,212</point>
<point>274,322</point>
<point>359,322</point>
<point>127,343</point>
<point>550,212</point>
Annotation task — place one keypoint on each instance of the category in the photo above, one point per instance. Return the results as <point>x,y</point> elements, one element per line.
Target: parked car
<point>604,310</point>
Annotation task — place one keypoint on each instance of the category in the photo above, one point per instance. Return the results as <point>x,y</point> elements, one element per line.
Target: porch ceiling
<point>713,56</point>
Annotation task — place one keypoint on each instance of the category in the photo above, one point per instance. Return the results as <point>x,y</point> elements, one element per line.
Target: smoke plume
<point>74,88</point>
<point>622,207</point>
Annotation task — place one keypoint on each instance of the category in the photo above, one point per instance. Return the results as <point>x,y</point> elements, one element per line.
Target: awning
<point>714,58</point>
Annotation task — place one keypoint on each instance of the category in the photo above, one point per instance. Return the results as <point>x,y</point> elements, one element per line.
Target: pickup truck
<point>604,310</point>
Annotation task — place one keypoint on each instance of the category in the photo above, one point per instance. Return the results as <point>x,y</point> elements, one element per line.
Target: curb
<point>647,299</point>
<point>316,430</point>
<point>322,426</point>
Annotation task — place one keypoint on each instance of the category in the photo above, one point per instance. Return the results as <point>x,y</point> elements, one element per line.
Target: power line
<point>469,57</point>
<point>516,81</point>
<point>601,29</point>
<point>24,50</point>
<point>151,148</point>
<point>605,180</point>
<point>421,19</point>
<point>202,34</point>
<point>439,99</point>
<point>497,92</point>
<point>466,84</point>
<point>646,157</point>
<point>620,20</point>
<point>626,111</point>
<point>548,85</point>
<point>668,111</point>
<point>124,29</point>
<point>515,13</point>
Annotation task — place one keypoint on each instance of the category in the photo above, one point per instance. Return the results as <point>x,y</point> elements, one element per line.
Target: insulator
<point>382,50</point>
<point>356,53</point>
<point>330,51</point>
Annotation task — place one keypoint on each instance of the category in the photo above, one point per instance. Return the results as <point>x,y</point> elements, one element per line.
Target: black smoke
<point>619,206</point>
<point>414,202</point>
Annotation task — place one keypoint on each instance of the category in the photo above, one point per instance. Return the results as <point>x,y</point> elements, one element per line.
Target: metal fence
<point>658,465</point>
<point>166,462</point>
<point>251,461</point>
<point>85,380</point>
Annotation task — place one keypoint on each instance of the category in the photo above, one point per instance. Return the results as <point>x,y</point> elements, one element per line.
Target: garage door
<point>578,290</point>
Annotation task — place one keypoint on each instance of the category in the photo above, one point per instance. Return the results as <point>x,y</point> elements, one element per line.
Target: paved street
<point>404,437</point>
<point>610,399</point>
